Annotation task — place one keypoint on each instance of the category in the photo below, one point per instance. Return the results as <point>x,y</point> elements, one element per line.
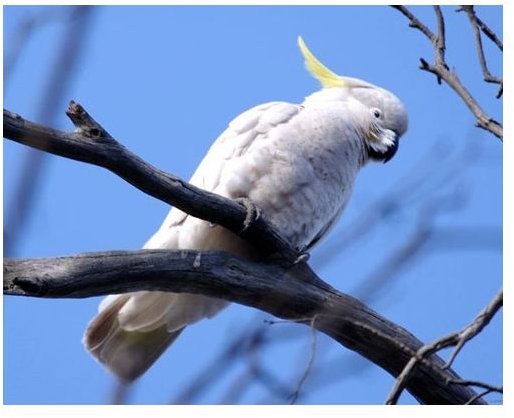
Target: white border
<point>141,411</point>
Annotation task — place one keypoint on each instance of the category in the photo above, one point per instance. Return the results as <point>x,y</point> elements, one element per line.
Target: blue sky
<point>165,81</point>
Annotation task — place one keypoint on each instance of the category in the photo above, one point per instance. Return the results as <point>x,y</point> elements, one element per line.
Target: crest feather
<point>326,77</point>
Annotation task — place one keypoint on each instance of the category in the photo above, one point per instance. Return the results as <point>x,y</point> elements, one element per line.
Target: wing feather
<point>250,126</point>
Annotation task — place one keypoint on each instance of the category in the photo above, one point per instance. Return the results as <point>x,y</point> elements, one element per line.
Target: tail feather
<point>127,354</point>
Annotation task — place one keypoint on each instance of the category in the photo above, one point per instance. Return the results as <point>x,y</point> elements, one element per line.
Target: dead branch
<point>476,28</point>
<point>288,291</point>
<point>457,339</point>
<point>479,384</point>
<point>478,324</point>
<point>92,144</point>
<point>443,73</point>
<point>484,28</point>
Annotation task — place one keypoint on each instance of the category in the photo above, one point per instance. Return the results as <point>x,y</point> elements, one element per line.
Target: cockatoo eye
<point>377,113</point>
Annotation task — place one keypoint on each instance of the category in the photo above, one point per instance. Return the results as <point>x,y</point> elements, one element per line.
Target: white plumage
<point>296,163</point>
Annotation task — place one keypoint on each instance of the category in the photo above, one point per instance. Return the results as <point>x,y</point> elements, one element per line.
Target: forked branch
<point>458,340</point>
<point>442,71</point>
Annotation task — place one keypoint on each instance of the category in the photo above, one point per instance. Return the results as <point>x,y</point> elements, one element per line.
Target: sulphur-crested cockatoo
<point>295,162</point>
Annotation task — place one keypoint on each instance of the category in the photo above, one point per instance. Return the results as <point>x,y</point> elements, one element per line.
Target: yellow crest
<point>326,77</point>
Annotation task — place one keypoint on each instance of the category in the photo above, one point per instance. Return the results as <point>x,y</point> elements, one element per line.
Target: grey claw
<point>303,257</point>
<point>252,212</point>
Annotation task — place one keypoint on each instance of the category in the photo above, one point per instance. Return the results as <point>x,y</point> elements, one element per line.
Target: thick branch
<point>92,144</point>
<point>292,292</point>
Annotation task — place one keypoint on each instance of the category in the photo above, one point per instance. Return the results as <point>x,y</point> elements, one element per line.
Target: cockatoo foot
<point>252,212</point>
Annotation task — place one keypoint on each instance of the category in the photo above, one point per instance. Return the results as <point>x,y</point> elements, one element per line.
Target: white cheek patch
<point>388,138</point>
<point>381,139</point>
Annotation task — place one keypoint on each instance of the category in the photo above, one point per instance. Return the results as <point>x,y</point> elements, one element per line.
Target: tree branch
<point>457,339</point>
<point>440,40</point>
<point>476,326</point>
<point>442,72</point>
<point>476,26</point>
<point>415,23</point>
<point>288,291</point>
<point>484,28</point>
<point>92,144</point>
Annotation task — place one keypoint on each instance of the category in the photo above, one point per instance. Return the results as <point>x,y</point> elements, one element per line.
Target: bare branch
<point>475,26</point>
<point>288,291</point>
<point>415,23</point>
<point>477,383</point>
<point>440,40</point>
<point>457,339</point>
<point>441,70</point>
<point>485,29</point>
<point>478,324</point>
<point>479,396</point>
<point>294,396</point>
<point>92,144</point>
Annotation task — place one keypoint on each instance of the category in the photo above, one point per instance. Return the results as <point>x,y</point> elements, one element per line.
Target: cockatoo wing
<point>234,142</point>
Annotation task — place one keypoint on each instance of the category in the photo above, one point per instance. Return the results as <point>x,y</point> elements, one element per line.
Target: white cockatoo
<point>295,162</point>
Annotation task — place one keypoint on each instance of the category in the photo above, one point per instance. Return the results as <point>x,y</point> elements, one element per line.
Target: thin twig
<point>294,396</point>
<point>457,339</point>
<point>440,41</point>
<point>488,77</point>
<point>485,29</point>
<point>479,396</point>
<point>401,381</point>
<point>478,324</point>
<point>416,23</point>
<point>477,383</point>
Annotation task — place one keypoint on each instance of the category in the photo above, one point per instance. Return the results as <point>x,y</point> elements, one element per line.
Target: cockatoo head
<point>379,112</point>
